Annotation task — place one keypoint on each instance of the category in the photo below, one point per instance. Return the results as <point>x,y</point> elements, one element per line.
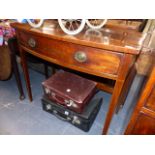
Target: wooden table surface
<point>111,38</point>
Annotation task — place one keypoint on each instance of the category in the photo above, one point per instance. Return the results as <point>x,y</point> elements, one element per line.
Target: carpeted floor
<point>22,117</point>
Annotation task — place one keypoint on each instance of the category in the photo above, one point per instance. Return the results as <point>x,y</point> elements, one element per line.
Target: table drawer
<point>96,61</point>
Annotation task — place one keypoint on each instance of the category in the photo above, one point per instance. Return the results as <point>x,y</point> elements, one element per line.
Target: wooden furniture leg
<point>12,47</point>
<point>125,89</point>
<point>46,64</point>
<point>113,104</point>
<point>46,70</point>
<point>26,73</point>
<point>53,70</point>
<point>122,74</point>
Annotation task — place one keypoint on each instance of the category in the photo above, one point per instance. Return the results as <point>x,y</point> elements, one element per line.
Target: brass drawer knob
<point>80,56</point>
<point>32,42</point>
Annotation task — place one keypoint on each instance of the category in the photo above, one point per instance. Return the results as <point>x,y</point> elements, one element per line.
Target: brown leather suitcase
<point>69,90</point>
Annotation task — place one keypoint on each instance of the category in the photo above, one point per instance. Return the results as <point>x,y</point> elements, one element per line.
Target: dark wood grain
<point>123,71</point>
<point>143,117</point>
<point>145,125</point>
<point>26,73</point>
<point>122,40</point>
<point>63,53</point>
<point>109,55</point>
<point>12,44</point>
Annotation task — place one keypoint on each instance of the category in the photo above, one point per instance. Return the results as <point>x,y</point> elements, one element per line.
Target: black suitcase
<point>83,121</point>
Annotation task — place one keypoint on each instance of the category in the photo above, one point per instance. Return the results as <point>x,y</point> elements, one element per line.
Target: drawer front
<point>93,60</point>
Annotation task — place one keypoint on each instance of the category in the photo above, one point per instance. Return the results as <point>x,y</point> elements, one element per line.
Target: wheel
<point>72,26</point>
<point>96,23</point>
<point>35,22</point>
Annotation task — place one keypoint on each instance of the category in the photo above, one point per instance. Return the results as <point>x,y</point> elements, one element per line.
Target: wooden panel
<point>144,125</point>
<point>151,100</point>
<point>98,61</point>
<point>143,118</point>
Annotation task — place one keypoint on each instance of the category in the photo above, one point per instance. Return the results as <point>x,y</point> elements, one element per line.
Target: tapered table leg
<point>125,89</point>
<point>26,73</point>
<point>12,46</point>
<point>113,105</point>
<point>118,88</point>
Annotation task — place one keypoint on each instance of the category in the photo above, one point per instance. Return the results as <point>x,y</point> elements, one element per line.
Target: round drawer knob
<point>80,56</point>
<point>32,42</point>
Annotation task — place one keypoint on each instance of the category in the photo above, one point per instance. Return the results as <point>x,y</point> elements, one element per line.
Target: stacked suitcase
<point>71,98</point>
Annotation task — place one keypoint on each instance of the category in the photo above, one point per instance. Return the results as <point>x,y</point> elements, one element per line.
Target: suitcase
<point>83,121</point>
<point>69,90</point>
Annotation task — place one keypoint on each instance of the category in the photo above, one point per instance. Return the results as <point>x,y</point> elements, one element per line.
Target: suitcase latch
<point>47,91</point>
<point>69,103</point>
<point>76,120</point>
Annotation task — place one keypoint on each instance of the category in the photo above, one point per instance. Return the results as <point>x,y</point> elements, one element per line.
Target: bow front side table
<point>109,53</point>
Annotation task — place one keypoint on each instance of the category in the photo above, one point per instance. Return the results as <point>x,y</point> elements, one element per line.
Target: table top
<point>110,37</point>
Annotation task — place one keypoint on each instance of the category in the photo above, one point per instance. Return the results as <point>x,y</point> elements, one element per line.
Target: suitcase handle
<point>66,102</point>
<point>59,117</point>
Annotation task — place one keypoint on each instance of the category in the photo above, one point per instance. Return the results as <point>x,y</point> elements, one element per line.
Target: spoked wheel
<point>35,22</point>
<point>72,26</point>
<point>96,23</point>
